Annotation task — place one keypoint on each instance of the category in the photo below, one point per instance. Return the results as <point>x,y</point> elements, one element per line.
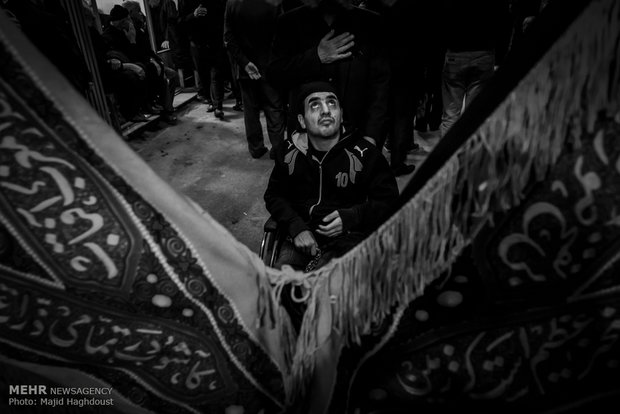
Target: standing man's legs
<point>404,98</point>
<point>201,63</point>
<point>453,89</point>
<point>273,106</point>
<point>480,72</point>
<point>251,117</point>
<point>218,78</point>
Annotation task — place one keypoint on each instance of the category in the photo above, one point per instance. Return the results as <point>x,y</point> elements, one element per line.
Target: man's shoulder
<point>364,14</point>
<point>296,13</point>
<point>360,146</point>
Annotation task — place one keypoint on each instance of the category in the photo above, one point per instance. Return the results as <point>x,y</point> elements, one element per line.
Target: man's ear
<point>302,122</point>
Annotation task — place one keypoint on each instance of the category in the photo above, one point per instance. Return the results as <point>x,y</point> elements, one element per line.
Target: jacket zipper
<point>321,177</point>
<point>320,188</point>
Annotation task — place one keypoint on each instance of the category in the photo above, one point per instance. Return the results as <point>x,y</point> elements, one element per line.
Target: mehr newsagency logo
<point>45,396</point>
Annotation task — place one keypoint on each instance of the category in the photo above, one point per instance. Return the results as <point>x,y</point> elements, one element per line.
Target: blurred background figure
<point>203,21</point>
<point>475,37</point>
<point>331,40</point>
<point>249,30</point>
<point>162,80</point>
<point>164,18</point>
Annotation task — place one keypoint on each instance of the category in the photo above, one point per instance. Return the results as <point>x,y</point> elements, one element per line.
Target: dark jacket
<point>164,18</point>
<point>205,31</point>
<point>249,26</point>
<point>121,48</point>
<point>353,178</point>
<point>362,80</point>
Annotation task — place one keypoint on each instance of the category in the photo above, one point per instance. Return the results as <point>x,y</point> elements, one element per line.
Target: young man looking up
<point>329,187</point>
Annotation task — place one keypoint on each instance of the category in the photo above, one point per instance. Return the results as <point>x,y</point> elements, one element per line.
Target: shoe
<point>200,97</point>
<point>218,113</point>
<point>417,150</point>
<point>259,153</point>
<point>150,109</point>
<point>210,107</point>
<point>157,107</point>
<point>403,169</point>
<point>169,118</point>
<point>139,118</point>
<point>238,107</point>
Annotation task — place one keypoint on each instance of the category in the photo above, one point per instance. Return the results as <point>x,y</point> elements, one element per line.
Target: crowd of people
<point>396,64</point>
<point>337,80</point>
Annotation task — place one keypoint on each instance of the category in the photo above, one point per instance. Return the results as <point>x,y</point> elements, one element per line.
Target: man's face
<point>322,115</point>
<point>154,3</point>
<point>137,17</point>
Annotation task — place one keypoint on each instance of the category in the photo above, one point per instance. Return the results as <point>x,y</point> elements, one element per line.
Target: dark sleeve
<point>278,206</point>
<point>172,16</point>
<point>186,12</point>
<point>230,37</point>
<point>382,194</point>
<point>378,95</point>
<point>288,64</point>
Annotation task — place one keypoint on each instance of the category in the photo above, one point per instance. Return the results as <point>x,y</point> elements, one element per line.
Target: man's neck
<point>329,19</point>
<point>324,144</point>
<point>330,11</point>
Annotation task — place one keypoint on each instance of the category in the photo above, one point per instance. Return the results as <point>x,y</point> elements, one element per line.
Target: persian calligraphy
<point>501,363</point>
<point>175,361</point>
<point>55,202</point>
<point>565,228</point>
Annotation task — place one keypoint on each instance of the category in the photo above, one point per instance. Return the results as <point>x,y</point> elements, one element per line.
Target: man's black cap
<point>118,13</point>
<point>309,88</point>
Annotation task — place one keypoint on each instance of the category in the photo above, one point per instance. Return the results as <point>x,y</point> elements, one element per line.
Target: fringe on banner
<point>550,108</point>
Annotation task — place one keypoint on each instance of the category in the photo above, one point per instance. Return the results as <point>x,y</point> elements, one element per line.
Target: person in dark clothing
<point>204,23</point>
<point>473,31</point>
<point>120,80</point>
<point>248,36</point>
<point>408,22</point>
<point>121,38</point>
<point>523,13</point>
<point>164,16</point>
<point>162,79</point>
<point>329,186</point>
<point>336,42</point>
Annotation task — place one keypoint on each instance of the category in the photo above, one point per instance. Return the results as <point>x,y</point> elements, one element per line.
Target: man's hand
<point>135,68</point>
<point>115,64</point>
<point>165,44</point>
<point>200,11</point>
<point>332,49</point>
<point>130,32</point>
<point>333,227</point>
<point>252,71</point>
<point>156,65</point>
<point>305,243</point>
<point>527,22</point>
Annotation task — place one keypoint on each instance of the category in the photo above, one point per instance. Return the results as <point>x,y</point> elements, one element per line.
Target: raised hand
<point>332,49</point>
<point>252,71</point>
<point>200,11</point>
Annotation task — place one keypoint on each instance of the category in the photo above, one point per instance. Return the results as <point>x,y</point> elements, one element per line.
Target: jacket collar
<point>300,140</point>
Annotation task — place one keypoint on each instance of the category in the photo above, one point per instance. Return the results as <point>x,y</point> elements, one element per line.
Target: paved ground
<point>207,160</point>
